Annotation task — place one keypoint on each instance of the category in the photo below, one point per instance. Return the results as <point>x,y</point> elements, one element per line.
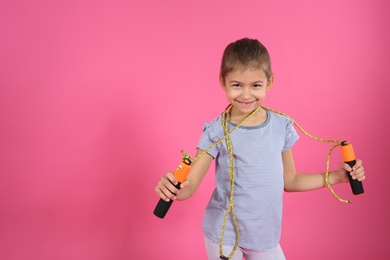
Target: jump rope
<point>184,168</point>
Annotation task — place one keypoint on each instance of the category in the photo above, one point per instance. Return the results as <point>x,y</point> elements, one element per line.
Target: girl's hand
<point>357,171</point>
<point>166,187</point>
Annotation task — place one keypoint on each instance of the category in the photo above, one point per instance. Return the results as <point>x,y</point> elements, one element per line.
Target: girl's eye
<point>257,86</point>
<point>236,85</point>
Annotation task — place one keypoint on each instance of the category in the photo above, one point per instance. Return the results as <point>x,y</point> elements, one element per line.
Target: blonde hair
<point>245,54</point>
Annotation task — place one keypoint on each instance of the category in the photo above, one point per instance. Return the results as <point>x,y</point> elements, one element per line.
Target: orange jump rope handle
<point>350,159</point>
<point>180,174</point>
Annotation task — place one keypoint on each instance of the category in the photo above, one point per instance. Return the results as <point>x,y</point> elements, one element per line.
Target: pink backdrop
<point>97,98</point>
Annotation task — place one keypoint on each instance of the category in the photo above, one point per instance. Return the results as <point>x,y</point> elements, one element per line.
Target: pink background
<point>97,98</point>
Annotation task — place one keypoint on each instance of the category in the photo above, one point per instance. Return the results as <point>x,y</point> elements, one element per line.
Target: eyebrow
<point>236,81</point>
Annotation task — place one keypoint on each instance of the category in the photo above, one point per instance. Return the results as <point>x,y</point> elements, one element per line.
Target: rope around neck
<point>230,209</point>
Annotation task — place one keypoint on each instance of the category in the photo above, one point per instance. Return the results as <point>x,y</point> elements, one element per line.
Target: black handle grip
<point>356,186</point>
<point>163,206</point>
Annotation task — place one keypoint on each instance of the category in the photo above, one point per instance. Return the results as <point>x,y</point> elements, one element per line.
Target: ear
<point>222,82</point>
<point>270,82</point>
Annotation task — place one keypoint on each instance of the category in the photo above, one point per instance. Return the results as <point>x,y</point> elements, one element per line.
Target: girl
<point>256,162</point>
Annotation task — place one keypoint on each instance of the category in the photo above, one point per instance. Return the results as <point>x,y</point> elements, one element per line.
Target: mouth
<point>247,103</point>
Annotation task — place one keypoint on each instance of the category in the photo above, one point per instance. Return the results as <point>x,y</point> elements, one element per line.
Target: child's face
<point>246,89</point>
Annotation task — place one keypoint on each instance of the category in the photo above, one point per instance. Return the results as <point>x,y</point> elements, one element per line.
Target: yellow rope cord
<point>300,128</point>
<point>327,176</point>
<point>230,209</point>
<point>225,123</point>
<point>337,143</point>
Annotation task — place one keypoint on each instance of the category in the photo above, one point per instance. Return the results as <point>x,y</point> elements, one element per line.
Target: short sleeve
<point>291,136</point>
<point>209,137</point>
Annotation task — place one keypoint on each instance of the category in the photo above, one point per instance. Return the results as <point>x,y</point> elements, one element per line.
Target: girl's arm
<point>166,189</point>
<point>294,181</point>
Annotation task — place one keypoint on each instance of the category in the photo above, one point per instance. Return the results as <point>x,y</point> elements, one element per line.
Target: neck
<point>253,118</point>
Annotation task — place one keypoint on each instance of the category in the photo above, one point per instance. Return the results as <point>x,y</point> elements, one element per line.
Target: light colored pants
<point>212,249</point>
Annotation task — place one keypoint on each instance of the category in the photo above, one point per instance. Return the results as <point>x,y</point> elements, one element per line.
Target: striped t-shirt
<point>259,182</point>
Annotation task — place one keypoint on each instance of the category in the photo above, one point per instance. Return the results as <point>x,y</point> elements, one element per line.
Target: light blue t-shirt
<point>258,190</point>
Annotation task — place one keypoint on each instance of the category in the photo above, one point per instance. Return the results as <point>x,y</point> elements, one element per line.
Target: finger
<point>362,178</point>
<point>161,194</point>
<point>168,191</point>
<point>358,174</point>
<point>172,178</point>
<point>185,184</point>
<point>165,194</point>
<point>357,165</point>
<point>359,170</point>
<point>345,167</point>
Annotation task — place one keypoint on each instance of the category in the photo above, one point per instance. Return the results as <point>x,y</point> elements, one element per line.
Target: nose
<point>246,93</point>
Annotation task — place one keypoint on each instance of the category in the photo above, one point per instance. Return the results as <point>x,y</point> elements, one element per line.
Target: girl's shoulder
<point>214,128</point>
<point>279,119</point>
<point>216,121</point>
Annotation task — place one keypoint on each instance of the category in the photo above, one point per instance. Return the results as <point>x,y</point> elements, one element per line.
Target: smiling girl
<point>256,161</point>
